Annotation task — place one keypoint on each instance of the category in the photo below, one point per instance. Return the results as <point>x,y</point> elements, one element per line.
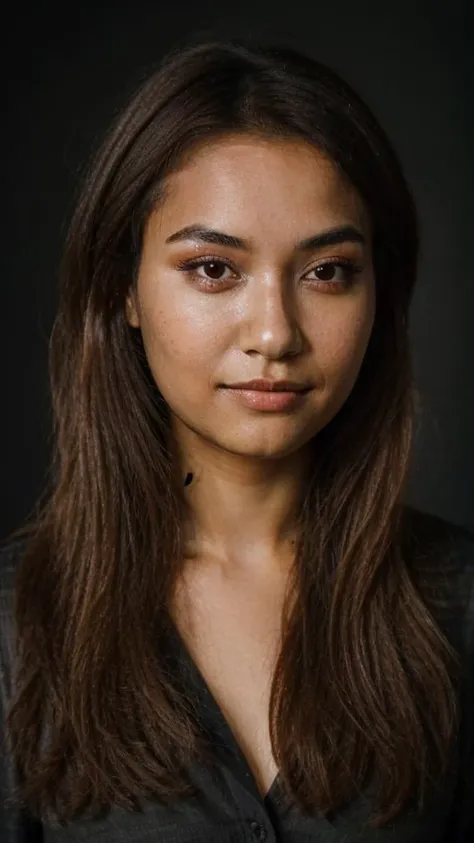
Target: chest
<point>232,629</point>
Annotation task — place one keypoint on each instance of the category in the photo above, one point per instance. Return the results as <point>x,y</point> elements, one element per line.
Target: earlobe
<point>131,312</point>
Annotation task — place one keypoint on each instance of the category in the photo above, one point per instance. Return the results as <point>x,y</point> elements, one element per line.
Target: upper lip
<point>266,385</point>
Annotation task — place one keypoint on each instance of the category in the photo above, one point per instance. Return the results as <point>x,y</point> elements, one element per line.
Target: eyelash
<point>352,269</point>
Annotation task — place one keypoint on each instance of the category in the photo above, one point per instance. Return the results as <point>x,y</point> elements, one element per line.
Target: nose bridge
<point>272,313</point>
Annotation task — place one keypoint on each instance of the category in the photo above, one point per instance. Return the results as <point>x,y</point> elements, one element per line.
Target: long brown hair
<point>365,680</point>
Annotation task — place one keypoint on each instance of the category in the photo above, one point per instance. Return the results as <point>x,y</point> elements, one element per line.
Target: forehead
<point>260,183</point>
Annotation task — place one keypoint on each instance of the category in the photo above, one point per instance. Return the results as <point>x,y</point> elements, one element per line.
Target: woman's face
<point>262,308</point>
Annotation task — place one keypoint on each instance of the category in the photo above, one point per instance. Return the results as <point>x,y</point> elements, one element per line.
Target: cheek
<point>180,345</point>
<point>340,345</point>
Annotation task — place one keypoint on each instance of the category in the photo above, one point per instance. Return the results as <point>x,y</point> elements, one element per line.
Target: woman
<point>226,623</point>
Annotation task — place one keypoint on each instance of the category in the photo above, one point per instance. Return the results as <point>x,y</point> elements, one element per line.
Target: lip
<point>264,399</point>
<point>267,385</point>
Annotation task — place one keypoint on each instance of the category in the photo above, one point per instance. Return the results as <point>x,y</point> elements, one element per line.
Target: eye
<point>214,272</point>
<point>327,272</point>
<point>213,269</point>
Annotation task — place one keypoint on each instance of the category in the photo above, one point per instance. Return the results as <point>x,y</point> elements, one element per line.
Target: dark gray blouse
<point>229,808</point>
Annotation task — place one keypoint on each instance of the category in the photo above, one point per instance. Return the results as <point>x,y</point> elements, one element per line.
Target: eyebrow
<point>330,237</point>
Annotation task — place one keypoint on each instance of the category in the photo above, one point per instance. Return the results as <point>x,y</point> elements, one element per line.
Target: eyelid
<point>203,259</point>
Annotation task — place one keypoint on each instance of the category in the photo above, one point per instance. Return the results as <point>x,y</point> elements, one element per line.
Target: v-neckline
<point>274,798</point>
<point>230,739</point>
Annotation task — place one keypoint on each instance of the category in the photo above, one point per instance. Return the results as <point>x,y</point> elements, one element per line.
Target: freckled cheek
<point>340,346</point>
<point>181,347</point>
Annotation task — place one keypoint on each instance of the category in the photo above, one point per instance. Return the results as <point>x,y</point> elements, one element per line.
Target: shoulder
<point>425,535</point>
<point>425,527</point>
<point>11,553</point>
<point>444,570</point>
<point>442,544</point>
<point>446,544</point>
<point>15,823</point>
<point>439,545</point>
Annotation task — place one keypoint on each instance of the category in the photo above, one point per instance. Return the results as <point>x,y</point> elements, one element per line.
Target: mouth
<point>268,400</point>
<point>258,387</point>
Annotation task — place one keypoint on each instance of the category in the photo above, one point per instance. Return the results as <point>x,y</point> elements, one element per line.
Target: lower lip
<point>263,400</point>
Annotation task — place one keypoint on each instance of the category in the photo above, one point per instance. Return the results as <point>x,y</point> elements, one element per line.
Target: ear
<point>131,311</point>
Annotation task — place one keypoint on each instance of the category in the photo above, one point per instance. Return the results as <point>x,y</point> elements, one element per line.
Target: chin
<point>255,447</point>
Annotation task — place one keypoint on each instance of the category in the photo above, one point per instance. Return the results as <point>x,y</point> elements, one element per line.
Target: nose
<point>272,326</point>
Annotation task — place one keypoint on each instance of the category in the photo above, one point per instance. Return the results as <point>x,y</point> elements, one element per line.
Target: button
<point>259,832</point>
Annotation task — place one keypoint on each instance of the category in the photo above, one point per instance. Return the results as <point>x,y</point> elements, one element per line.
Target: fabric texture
<point>230,808</point>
